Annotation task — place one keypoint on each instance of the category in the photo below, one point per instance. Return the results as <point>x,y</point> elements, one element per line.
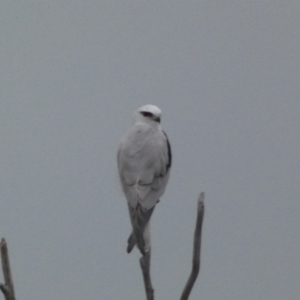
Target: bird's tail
<point>131,242</point>
<point>139,218</point>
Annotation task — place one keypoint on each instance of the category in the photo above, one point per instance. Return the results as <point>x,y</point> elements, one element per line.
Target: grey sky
<point>226,76</point>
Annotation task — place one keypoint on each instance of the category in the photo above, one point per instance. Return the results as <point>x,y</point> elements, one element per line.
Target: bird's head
<point>149,113</point>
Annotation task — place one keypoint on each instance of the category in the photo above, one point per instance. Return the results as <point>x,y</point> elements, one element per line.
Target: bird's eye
<point>147,114</point>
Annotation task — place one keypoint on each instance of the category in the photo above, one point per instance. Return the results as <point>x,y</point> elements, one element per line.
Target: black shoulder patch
<point>169,164</point>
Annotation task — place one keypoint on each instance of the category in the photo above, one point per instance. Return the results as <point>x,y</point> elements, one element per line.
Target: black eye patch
<point>147,114</point>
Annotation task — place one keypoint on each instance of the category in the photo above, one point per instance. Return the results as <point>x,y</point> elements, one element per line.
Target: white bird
<point>144,162</point>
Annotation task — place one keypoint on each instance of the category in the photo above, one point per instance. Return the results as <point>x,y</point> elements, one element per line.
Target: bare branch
<point>145,266</point>
<point>197,250</point>
<point>8,287</point>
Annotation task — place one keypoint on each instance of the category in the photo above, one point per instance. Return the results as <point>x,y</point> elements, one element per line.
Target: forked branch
<point>8,287</point>
<point>145,260</point>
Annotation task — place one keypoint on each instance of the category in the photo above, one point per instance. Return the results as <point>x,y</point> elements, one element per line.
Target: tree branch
<point>145,266</point>
<point>197,249</point>
<point>8,287</point>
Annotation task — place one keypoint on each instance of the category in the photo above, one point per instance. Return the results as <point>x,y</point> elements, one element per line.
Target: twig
<point>145,266</point>
<point>8,287</point>
<point>197,249</point>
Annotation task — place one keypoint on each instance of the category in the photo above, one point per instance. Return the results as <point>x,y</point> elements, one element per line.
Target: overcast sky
<point>226,75</point>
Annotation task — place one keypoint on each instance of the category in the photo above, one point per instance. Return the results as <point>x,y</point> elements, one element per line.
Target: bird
<point>144,160</point>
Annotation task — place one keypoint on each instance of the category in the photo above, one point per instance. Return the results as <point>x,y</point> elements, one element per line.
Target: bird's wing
<point>144,160</point>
